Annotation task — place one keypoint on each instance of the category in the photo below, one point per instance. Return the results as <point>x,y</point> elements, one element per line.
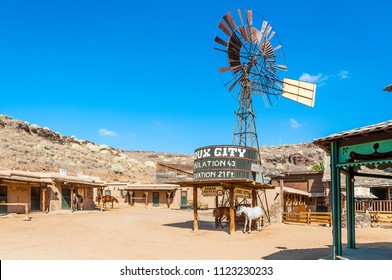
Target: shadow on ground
<point>363,251</point>
<point>300,254</point>
<point>203,225</point>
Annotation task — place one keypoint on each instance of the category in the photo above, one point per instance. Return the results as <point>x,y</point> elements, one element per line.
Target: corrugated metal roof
<point>365,131</point>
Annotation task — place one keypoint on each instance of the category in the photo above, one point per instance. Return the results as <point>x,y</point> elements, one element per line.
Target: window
<point>108,192</point>
<point>123,193</point>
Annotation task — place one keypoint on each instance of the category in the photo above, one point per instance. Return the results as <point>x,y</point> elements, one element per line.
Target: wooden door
<point>35,198</point>
<point>155,199</point>
<point>3,198</point>
<point>184,198</point>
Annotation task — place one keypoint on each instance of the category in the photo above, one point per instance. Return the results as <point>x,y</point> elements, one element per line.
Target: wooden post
<point>232,214</point>
<point>130,198</point>
<point>168,199</point>
<point>43,199</point>
<point>72,204</point>
<point>254,196</point>
<point>195,217</point>
<point>216,201</point>
<point>146,193</point>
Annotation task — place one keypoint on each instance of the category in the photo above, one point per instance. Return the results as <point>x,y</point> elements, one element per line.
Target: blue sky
<point>141,75</point>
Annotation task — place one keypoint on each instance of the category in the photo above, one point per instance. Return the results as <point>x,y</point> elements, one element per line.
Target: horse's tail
<point>115,199</point>
<point>214,212</point>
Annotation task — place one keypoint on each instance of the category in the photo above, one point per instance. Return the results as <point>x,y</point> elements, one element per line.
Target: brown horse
<point>105,199</point>
<point>220,213</point>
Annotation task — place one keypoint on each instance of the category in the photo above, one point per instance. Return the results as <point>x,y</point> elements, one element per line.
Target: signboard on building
<point>212,191</point>
<point>242,193</point>
<point>225,162</point>
<point>361,192</point>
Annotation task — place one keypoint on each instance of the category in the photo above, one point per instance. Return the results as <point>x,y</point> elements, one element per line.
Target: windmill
<point>249,57</point>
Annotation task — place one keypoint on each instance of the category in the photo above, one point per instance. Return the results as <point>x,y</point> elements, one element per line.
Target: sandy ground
<point>155,234</point>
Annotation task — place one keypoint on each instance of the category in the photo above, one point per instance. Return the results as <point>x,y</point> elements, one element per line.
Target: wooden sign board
<point>243,193</point>
<point>212,191</point>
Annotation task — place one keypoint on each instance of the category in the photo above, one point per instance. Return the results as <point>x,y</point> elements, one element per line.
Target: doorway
<point>35,198</point>
<point>3,198</point>
<point>155,199</point>
<point>184,198</point>
<point>65,198</point>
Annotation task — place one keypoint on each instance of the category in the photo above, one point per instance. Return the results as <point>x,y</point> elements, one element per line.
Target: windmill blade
<point>282,67</point>
<point>264,26</point>
<point>222,26</point>
<point>250,17</point>
<point>230,20</point>
<point>277,47</point>
<point>240,15</point>
<point>299,91</point>
<point>224,69</point>
<point>220,41</point>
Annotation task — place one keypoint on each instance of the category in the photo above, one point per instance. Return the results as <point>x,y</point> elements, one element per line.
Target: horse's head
<point>239,210</point>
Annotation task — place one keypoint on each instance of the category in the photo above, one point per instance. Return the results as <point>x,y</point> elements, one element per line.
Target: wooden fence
<point>307,217</point>
<point>379,218</point>
<point>375,205</point>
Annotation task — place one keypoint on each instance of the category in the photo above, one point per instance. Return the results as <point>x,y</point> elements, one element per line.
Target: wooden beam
<point>232,214</point>
<point>254,196</point>
<point>146,193</point>
<point>43,199</point>
<point>195,217</point>
<point>168,199</point>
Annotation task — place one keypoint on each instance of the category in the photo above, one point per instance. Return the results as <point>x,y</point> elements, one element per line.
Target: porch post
<point>168,199</point>
<point>195,218</point>
<point>146,193</point>
<point>131,198</point>
<point>232,214</point>
<point>350,209</point>
<point>43,199</point>
<point>336,202</point>
<point>254,195</point>
<point>72,201</point>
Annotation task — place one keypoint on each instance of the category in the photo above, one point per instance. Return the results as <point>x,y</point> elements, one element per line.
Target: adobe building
<point>45,192</point>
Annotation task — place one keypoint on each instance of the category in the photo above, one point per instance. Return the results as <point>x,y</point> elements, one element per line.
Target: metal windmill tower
<point>249,56</point>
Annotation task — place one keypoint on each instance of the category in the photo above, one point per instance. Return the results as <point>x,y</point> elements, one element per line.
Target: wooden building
<point>370,147</point>
<point>302,191</point>
<point>44,192</point>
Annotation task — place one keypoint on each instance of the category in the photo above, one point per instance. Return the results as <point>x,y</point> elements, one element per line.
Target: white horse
<point>251,214</point>
<point>77,200</point>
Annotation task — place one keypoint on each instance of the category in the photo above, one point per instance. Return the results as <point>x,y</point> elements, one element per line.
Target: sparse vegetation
<point>30,147</point>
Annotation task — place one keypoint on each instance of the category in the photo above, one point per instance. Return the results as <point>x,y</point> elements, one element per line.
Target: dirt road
<point>151,234</point>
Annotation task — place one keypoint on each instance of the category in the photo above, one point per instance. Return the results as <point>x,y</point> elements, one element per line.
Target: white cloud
<point>294,123</point>
<point>106,132</point>
<point>315,79</point>
<point>320,79</point>
<point>343,74</point>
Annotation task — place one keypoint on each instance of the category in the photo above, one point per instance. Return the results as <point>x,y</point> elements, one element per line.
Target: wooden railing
<point>307,217</point>
<point>379,218</point>
<point>26,206</point>
<point>375,205</point>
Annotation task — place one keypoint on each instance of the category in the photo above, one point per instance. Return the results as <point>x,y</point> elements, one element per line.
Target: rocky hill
<point>25,146</point>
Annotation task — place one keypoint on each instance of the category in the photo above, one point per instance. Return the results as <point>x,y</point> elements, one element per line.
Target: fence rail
<point>379,218</point>
<point>375,205</point>
<point>307,217</point>
<point>26,207</point>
